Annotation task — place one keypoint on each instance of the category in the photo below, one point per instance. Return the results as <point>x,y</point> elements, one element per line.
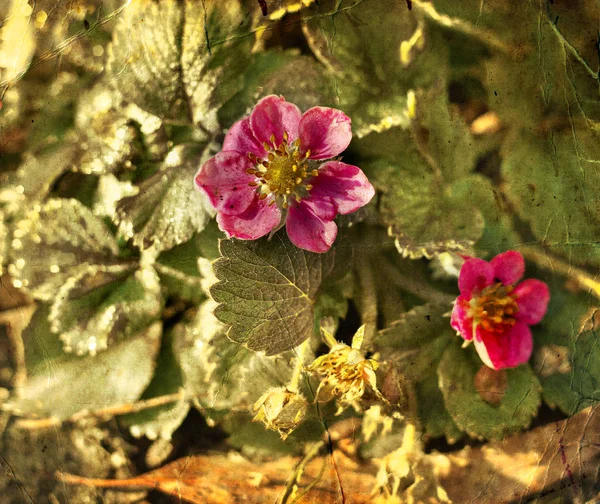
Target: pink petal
<point>509,267</point>
<point>307,231</point>
<point>224,179</point>
<point>459,320</point>
<point>241,139</point>
<point>342,185</point>
<point>505,350</point>
<point>273,115</point>
<point>326,132</point>
<point>532,298</point>
<point>258,220</point>
<point>475,274</point>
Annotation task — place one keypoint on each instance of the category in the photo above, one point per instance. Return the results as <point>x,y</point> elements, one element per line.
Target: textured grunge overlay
<point>299,251</point>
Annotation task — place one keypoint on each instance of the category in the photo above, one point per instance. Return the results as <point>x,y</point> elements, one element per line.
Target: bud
<point>280,410</point>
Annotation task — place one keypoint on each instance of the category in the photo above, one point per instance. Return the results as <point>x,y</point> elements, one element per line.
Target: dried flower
<point>494,313</point>
<point>280,410</point>
<point>407,475</point>
<point>345,372</point>
<point>273,170</point>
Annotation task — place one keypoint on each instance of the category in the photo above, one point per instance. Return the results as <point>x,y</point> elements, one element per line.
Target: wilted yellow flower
<point>344,371</point>
<point>374,418</point>
<point>280,410</point>
<point>407,464</point>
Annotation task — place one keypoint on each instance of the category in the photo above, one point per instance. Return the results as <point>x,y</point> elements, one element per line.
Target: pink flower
<point>273,170</point>
<point>495,313</point>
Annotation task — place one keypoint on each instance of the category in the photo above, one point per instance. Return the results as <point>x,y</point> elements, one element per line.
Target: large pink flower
<point>273,169</point>
<point>495,313</point>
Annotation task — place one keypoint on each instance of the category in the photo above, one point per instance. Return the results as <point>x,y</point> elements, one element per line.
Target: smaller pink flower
<point>276,168</point>
<point>495,313</point>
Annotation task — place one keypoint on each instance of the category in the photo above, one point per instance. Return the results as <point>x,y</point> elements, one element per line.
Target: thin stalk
<point>550,262</point>
<point>412,284</point>
<point>298,368</point>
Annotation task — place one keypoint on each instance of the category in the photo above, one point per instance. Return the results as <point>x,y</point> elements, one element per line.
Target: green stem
<point>298,368</point>
<point>550,262</point>
<point>297,474</point>
<point>367,296</point>
<point>413,284</point>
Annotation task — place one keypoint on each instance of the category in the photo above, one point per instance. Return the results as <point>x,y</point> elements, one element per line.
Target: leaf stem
<point>367,296</point>
<point>550,262</point>
<point>412,284</point>
<point>297,474</point>
<point>299,366</point>
<point>131,484</point>
<point>119,409</point>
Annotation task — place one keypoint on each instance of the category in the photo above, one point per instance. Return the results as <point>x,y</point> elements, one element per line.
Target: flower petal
<point>307,231</point>
<point>272,116</point>
<point>532,298</point>
<point>505,350</point>
<point>459,320</point>
<point>241,139</point>
<point>342,185</point>
<point>474,274</point>
<point>326,132</point>
<point>224,179</point>
<point>509,267</point>
<point>258,220</point>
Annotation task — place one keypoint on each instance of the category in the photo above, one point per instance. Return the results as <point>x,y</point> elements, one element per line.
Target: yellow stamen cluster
<point>284,173</point>
<point>345,372</point>
<point>494,308</point>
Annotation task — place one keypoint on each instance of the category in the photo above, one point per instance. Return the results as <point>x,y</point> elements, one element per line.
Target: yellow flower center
<point>284,173</point>
<point>493,309</point>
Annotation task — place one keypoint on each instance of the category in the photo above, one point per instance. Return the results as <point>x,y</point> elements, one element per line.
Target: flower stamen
<point>284,172</point>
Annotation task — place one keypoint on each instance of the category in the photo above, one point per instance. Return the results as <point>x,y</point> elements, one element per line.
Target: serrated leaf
<point>37,173</point>
<point>420,179</point>
<point>275,72</point>
<point>61,386</point>
<point>267,290</point>
<point>221,374</point>
<point>161,421</point>
<point>415,342</point>
<point>172,58</point>
<point>102,305</point>
<point>571,325</point>
<point>167,210</point>
<point>456,373</point>
<point>54,241</point>
<point>377,53</point>
<point>558,196</point>
<point>433,415</point>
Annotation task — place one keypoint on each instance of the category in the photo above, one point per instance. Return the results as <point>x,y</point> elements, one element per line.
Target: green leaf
<point>62,386</point>
<point>102,305</point>
<point>267,291</point>
<point>377,53</point>
<point>432,412</point>
<point>420,176</point>
<point>570,325</point>
<point>180,59</point>
<point>168,209</point>
<point>276,72</point>
<point>221,374</point>
<point>558,196</point>
<point>498,234</point>
<point>415,342</point>
<point>456,373</point>
<point>54,242</point>
<point>161,421</point>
